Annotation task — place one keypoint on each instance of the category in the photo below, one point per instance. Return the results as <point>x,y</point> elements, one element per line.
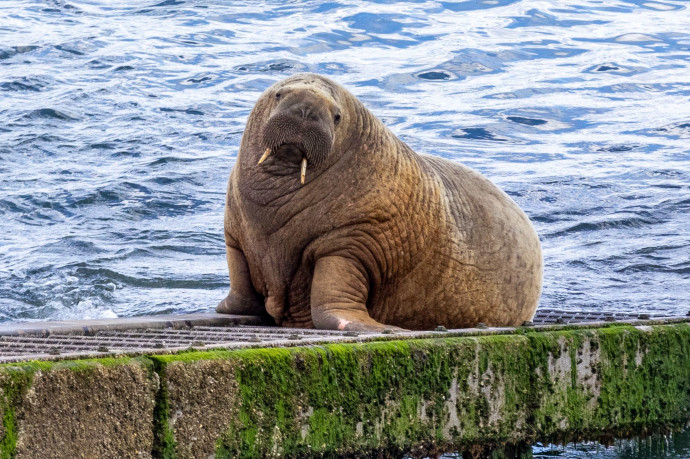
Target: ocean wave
<point>115,149</point>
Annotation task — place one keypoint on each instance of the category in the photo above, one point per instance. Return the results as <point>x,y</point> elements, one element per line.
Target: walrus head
<point>301,125</point>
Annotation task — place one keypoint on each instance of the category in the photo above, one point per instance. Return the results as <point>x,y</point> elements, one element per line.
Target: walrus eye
<point>336,119</point>
<point>278,96</point>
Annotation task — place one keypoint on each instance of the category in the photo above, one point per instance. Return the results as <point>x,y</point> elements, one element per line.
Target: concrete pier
<point>332,394</point>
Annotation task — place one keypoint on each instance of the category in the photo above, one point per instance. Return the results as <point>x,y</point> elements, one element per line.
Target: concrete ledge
<point>475,394</point>
<point>127,323</point>
<point>100,408</point>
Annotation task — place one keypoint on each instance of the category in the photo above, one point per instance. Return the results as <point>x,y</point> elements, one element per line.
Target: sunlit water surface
<point>120,121</point>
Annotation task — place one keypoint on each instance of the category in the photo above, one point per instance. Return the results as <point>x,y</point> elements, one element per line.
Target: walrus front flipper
<point>242,299</point>
<point>339,291</point>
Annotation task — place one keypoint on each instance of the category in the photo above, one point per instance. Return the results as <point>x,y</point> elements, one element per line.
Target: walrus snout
<point>300,120</point>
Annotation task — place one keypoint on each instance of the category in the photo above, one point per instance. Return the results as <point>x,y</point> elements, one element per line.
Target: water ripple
<point>120,121</point>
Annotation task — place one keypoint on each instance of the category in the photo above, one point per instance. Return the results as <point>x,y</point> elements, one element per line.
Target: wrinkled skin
<point>378,236</point>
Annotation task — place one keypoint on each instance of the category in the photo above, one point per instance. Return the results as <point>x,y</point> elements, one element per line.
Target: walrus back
<point>495,267</point>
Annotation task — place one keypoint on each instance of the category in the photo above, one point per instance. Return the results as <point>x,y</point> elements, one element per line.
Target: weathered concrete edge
<point>127,323</point>
<point>98,408</point>
<point>388,397</point>
<point>180,321</point>
<point>199,319</point>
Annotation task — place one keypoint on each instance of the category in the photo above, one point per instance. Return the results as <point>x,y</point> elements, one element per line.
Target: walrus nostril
<point>302,111</point>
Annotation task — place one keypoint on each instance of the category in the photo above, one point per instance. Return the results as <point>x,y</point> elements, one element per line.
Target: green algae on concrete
<point>200,401</point>
<point>486,396</point>
<point>419,396</point>
<point>12,386</point>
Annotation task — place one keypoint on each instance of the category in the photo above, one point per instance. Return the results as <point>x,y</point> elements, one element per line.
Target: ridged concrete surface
<point>175,332</point>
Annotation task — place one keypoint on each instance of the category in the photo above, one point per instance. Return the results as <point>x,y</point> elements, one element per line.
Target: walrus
<point>332,222</point>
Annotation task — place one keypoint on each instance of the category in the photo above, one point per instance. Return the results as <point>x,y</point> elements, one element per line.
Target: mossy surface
<point>645,377</point>
<point>13,385</point>
<point>384,398</point>
<point>76,365</point>
<point>435,394</point>
<point>163,438</point>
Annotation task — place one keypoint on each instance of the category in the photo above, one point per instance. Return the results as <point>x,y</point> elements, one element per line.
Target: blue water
<point>671,446</point>
<point>120,121</point>
<point>119,124</point>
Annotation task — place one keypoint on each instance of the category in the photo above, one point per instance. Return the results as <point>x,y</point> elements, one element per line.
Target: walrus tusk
<point>266,153</point>
<point>304,170</point>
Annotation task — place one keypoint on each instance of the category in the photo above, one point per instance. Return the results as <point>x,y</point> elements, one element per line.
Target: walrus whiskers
<point>304,170</point>
<point>266,153</point>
